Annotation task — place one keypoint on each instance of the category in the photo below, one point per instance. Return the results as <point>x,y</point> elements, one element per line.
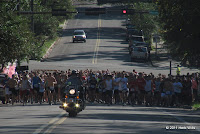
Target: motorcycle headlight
<point>74,36</point>
<point>72,91</point>
<point>64,104</point>
<point>77,105</point>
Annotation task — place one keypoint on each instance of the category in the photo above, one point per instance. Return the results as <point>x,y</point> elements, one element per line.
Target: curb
<point>55,42</point>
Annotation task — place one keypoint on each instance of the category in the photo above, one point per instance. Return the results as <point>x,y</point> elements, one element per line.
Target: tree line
<point>19,40</point>
<point>180,27</point>
<point>178,24</point>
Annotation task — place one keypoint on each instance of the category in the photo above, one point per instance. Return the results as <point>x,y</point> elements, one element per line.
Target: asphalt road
<point>105,48</point>
<point>97,118</point>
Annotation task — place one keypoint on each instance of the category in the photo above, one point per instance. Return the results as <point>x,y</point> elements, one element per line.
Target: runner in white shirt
<point>123,88</point>
<point>116,88</point>
<point>42,89</point>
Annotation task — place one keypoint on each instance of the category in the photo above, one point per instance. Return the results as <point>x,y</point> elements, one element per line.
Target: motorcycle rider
<point>75,80</point>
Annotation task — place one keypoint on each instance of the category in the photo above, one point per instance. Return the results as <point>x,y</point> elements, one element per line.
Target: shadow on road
<point>138,114</point>
<point>105,32</point>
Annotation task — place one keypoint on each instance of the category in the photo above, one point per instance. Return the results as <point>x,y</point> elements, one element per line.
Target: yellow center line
<point>51,128</point>
<point>94,60</point>
<point>41,128</point>
<point>98,38</point>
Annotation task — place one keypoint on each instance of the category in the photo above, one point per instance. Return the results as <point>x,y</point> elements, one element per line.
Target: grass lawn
<point>47,45</point>
<point>196,106</point>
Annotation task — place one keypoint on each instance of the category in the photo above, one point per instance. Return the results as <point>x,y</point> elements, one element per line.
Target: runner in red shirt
<point>141,92</point>
<point>133,88</point>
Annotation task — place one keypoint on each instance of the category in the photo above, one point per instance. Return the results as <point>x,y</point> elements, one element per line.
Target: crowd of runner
<point>123,88</point>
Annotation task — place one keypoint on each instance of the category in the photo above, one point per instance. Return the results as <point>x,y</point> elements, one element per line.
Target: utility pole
<point>18,5</point>
<point>32,17</point>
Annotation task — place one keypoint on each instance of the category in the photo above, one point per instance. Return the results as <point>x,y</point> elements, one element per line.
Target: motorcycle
<point>73,103</point>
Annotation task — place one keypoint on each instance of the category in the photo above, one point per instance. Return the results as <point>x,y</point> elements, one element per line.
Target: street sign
<point>58,12</point>
<point>153,12</point>
<point>95,11</point>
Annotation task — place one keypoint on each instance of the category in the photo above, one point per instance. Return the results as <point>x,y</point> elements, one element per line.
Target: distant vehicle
<point>143,44</point>
<point>139,44</point>
<point>2,90</point>
<point>79,35</point>
<point>135,39</point>
<point>108,1</point>
<point>130,26</point>
<point>140,53</point>
<point>130,32</point>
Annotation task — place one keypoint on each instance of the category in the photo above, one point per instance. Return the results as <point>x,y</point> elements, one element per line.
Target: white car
<point>140,53</point>
<point>135,39</point>
<point>79,35</point>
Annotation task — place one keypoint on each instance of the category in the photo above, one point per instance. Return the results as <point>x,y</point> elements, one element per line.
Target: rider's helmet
<point>73,72</point>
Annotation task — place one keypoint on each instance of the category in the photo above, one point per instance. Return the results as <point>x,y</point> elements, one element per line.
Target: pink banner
<point>9,70</point>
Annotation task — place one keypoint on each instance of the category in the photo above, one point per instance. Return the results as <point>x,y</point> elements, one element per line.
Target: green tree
<point>180,23</point>
<point>144,21</point>
<point>17,41</point>
<point>15,35</point>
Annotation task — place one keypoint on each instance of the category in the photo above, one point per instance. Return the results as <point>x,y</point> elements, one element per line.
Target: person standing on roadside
<point>178,70</point>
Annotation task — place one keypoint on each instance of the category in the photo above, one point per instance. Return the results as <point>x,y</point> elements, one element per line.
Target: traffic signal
<point>124,11</point>
<point>21,68</point>
<point>95,11</point>
<point>128,11</point>
<point>58,12</point>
